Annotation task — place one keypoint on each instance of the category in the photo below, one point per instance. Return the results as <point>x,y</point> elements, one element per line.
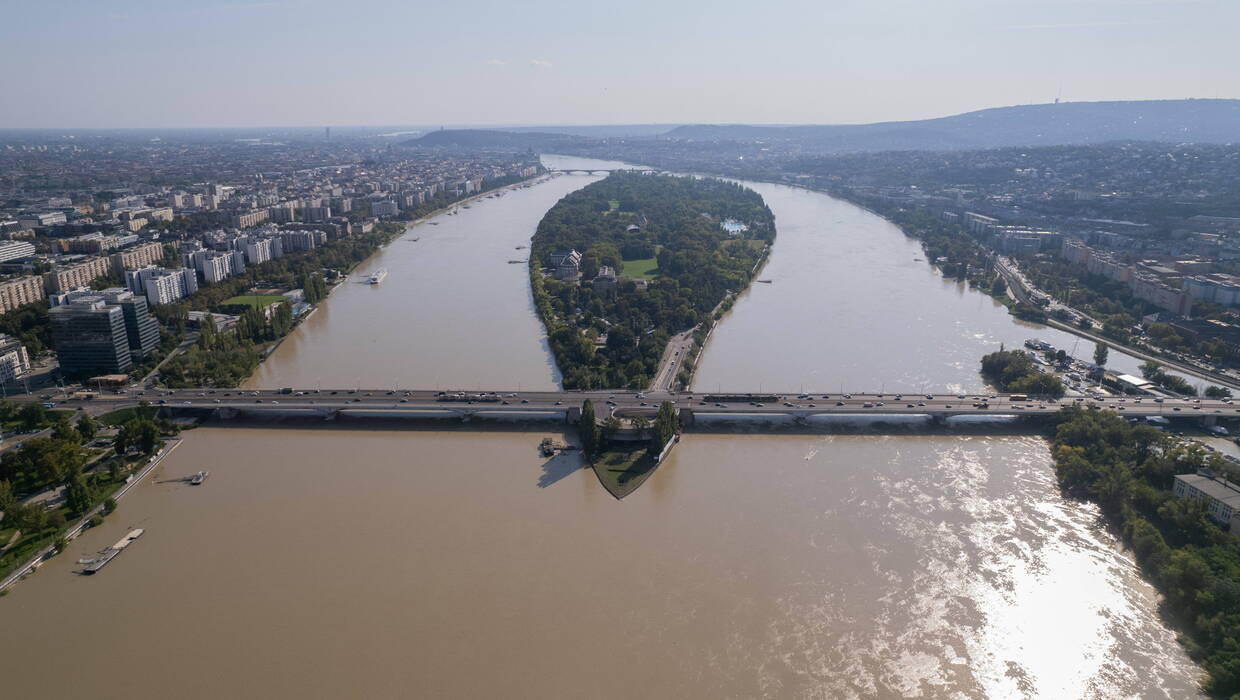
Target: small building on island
<point>566,265</point>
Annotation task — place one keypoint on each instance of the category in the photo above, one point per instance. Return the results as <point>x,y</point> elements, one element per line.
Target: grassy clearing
<point>258,301</point>
<point>622,469</point>
<point>124,415</point>
<point>646,268</point>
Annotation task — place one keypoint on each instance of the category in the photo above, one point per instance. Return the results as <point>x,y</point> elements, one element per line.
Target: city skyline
<point>309,62</point>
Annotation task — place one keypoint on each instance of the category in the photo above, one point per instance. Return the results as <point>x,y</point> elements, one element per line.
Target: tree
<point>87,428</point>
<point>666,424</point>
<point>32,415</point>
<point>611,425</point>
<point>207,333</point>
<point>1061,356</point>
<point>587,430</point>
<point>1100,354</point>
<point>1218,392</point>
<point>63,430</point>
<point>140,433</point>
<point>77,495</point>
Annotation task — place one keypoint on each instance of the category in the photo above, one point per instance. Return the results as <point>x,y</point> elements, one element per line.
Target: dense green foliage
<point>1155,373</point>
<point>1128,470</point>
<point>1014,371</point>
<point>666,424</point>
<point>587,430</point>
<point>677,221</point>
<point>29,324</point>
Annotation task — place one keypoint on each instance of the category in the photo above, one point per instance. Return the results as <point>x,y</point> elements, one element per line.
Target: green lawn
<point>258,301</point>
<point>614,204</point>
<point>124,415</point>
<point>624,467</point>
<point>646,268</point>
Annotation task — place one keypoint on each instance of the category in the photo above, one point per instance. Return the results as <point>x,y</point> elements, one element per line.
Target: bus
<point>1018,397</point>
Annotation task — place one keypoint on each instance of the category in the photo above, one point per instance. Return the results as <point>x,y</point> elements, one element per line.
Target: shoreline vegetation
<point>610,330</point>
<point>1128,470</point>
<point>228,358</point>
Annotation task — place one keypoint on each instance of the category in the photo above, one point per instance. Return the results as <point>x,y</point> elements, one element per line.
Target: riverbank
<point>77,528</point>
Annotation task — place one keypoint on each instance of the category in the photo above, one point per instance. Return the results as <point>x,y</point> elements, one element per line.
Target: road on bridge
<point>395,400</point>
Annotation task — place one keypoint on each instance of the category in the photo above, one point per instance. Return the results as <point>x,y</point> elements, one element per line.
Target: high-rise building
<point>14,362</point>
<point>141,328</point>
<point>20,291</point>
<point>15,250</point>
<point>79,275</point>
<point>138,256</point>
<point>161,285</point>
<point>90,338</point>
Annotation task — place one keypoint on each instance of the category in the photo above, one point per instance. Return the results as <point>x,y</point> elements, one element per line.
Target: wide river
<point>338,561</point>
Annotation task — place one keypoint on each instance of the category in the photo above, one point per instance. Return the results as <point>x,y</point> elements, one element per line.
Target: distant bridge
<point>596,171</point>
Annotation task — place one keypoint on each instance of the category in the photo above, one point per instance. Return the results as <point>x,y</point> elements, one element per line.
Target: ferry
<point>1035,344</point>
<point>379,275</point>
<point>101,560</point>
<point>198,478</point>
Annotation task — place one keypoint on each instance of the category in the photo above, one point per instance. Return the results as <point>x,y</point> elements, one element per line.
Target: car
<point>929,397</point>
<point>802,396</point>
<point>761,405</point>
<point>788,404</point>
<point>867,404</point>
<point>504,403</point>
<point>527,401</point>
<point>274,402</point>
<point>909,405</point>
<point>949,406</point>
<point>559,403</point>
<point>217,401</point>
<point>643,403</point>
<point>258,400</point>
<point>407,401</point>
<point>1175,408</point>
<point>839,403</point>
<point>163,401</point>
<point>848,396</point>
<point>813,406</point>
<point>719,405</point>
<point>390,393</point>
<point>921,403</point>
<point>701,403</point>
<point>880,403</point>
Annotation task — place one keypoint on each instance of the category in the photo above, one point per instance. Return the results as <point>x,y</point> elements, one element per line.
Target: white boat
<point>198,478</point>
<point>378,276</point>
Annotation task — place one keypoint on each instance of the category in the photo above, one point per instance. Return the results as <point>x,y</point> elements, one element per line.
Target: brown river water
<point>361,560</point>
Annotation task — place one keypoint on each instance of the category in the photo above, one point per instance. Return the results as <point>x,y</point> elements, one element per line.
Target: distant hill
<point>1199,121</point>
<point>490,138</point>
<point>601,131</point>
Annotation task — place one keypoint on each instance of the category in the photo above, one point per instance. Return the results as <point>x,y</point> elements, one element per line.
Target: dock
<point>101,560</point>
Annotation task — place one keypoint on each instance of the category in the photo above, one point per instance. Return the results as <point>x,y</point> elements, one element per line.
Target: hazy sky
<point>80,63</point>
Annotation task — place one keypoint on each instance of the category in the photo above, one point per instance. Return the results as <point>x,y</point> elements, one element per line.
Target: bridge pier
<point>687,418</point>
<point>572,415</point>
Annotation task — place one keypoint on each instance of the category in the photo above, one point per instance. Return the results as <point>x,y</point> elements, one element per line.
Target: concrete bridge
<point>566,405</point>
<point>597,171</point>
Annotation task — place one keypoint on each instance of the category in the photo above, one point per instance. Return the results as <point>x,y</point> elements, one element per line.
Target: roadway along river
<point>347,562</point>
